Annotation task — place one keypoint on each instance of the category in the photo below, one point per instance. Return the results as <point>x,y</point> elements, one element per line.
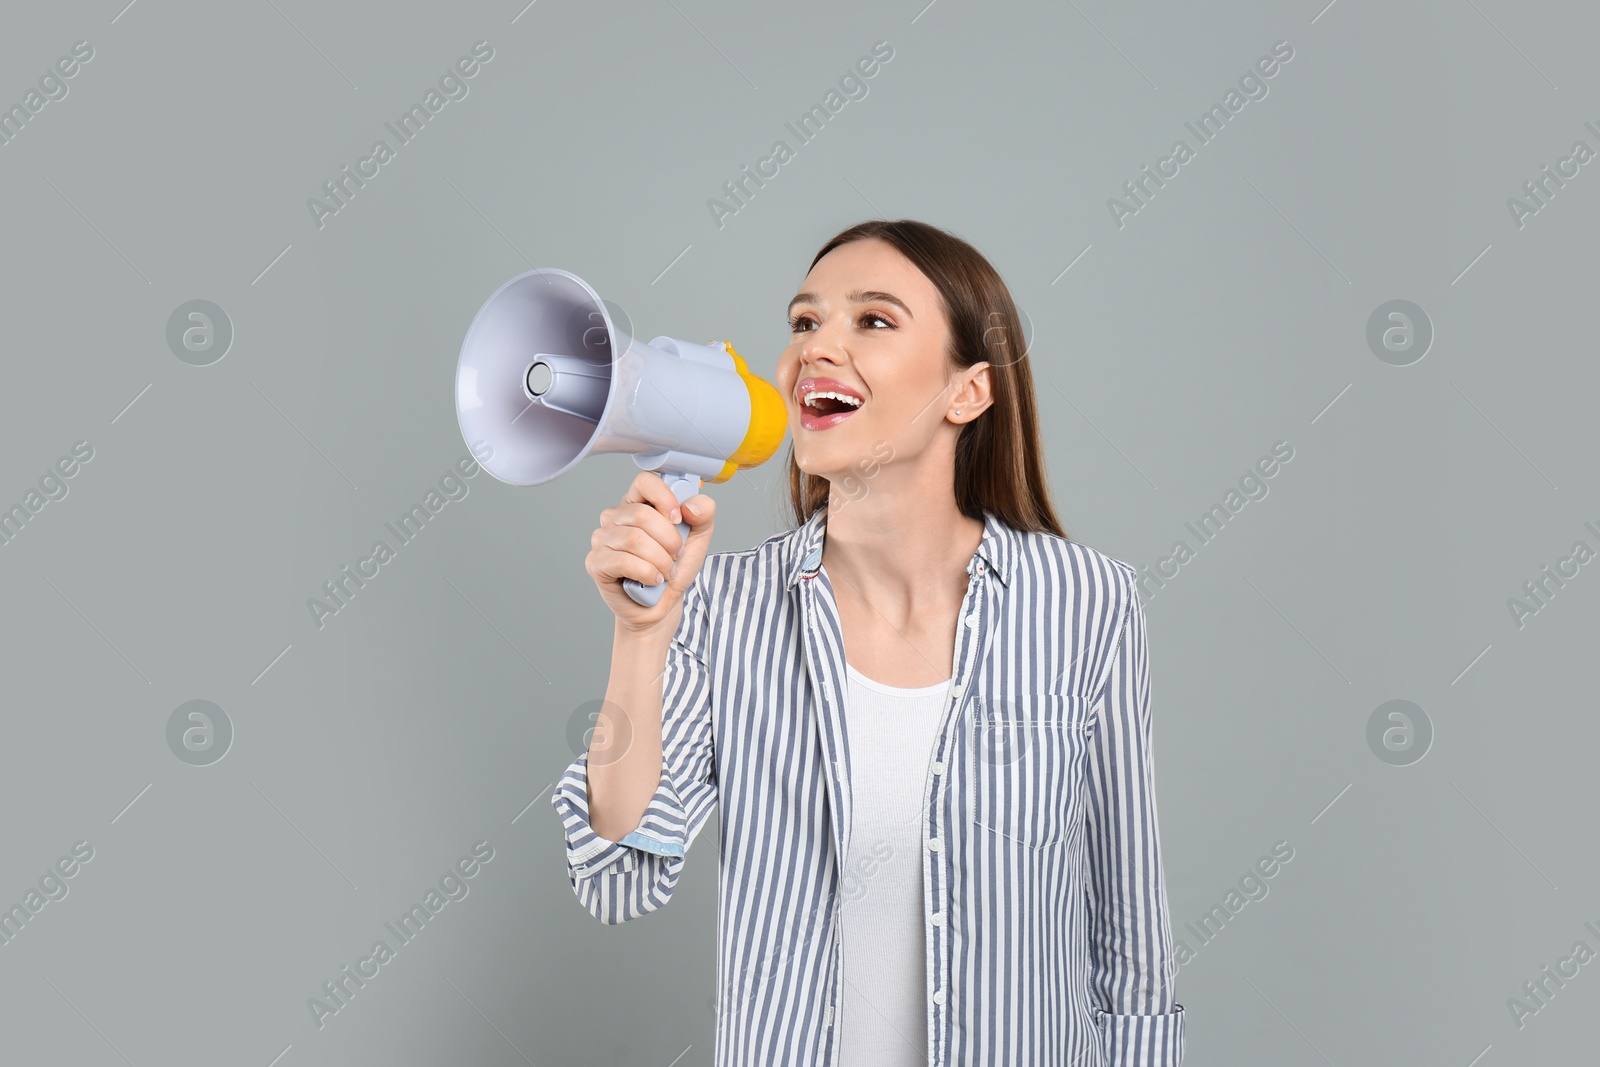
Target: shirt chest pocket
<point>1025,767</point>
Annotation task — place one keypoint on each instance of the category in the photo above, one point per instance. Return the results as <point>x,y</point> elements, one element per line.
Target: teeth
<point>853,401</point>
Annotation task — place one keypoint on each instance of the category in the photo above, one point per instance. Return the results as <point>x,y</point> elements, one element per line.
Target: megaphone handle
<point>683,487</point>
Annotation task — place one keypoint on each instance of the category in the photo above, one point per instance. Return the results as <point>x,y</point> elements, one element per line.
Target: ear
<point>975,395</point>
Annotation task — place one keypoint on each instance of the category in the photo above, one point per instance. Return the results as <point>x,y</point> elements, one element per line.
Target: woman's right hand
<point>638,539</point>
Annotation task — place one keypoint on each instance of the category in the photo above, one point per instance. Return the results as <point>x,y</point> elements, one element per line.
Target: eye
<point>796,323</point>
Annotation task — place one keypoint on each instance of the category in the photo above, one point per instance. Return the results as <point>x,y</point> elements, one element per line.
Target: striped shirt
<point>1046,919</point>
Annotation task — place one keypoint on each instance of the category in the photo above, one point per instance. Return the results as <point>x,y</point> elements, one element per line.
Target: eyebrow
<point>860,296</point>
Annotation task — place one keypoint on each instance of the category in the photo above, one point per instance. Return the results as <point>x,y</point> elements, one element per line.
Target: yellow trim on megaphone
<point>769,421</point>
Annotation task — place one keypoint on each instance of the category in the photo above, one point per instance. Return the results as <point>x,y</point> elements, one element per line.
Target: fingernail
<point>677,515</point>
<point>694,509</point>
<point>660,577</point>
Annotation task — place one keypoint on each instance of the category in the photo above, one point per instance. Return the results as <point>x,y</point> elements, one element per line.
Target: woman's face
<point>867,318</point>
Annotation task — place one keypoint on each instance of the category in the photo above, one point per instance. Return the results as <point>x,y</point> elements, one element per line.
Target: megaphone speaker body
<point>547,376</point>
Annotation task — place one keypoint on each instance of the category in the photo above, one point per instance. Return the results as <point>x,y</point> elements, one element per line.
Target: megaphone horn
<point>546,377</point>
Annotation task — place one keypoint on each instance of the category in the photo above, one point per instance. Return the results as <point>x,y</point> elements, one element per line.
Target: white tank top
<point>883,1016</point>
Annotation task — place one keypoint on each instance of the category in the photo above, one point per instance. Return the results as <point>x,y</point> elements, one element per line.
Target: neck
<point>900,555</point>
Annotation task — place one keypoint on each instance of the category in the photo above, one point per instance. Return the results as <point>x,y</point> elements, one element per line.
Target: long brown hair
<point>999,462</point>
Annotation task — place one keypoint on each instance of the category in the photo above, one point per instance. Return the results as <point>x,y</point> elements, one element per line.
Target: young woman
<point>923,713</point>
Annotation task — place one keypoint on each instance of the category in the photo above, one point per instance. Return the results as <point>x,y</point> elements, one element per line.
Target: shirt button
<point>934,844</point>
<point>972,619</point>
<point>938,766</point>
<point>956,689</point>
<point>938,998</point>
<point>938,918</point>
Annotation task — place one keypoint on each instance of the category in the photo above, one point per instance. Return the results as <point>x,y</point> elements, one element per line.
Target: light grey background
<point>434,710</point>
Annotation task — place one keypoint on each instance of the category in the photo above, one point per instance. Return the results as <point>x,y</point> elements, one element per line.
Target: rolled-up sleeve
<point>1130,937</point>
<point>622,880</point>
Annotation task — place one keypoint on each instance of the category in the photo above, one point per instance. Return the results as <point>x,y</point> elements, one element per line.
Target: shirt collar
<point>997,549</point>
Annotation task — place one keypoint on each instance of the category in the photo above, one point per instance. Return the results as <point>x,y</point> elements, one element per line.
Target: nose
<point>807,359</point>
<point>820,345</point>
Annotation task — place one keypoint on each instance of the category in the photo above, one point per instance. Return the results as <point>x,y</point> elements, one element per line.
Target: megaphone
<point>547,376</point>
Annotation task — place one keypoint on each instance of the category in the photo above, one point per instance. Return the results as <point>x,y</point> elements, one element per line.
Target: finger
<point>638,542</point>
<point>659,527</point>
<point>699,509</point>
<point>623,564</point>
<point>645,516</point>
<point>652,489</point>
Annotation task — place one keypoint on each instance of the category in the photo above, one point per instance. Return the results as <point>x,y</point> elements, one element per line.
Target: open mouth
<point>826,411</point>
